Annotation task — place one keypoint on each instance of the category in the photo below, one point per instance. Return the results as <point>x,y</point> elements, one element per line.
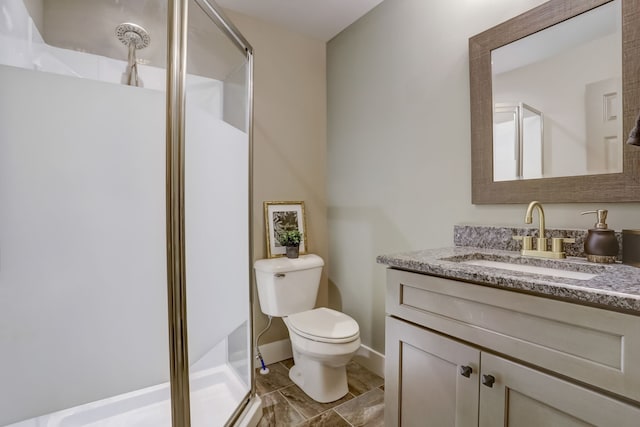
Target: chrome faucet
<point>541,249</point>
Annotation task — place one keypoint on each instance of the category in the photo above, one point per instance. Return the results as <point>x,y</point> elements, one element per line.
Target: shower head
<point>132,34</point>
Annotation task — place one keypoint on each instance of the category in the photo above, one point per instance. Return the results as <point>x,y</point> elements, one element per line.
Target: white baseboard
<point>370,359</point>
<point>278,351</point>
<point>273,352</point>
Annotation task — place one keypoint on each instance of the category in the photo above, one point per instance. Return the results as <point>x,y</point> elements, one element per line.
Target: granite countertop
<point>615,286</point>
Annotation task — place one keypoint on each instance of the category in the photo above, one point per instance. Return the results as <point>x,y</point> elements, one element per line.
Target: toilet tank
<point>287,286</point>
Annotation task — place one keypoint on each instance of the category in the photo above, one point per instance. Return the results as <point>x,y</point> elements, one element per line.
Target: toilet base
<point>320,382</point>
<point>320,368</point>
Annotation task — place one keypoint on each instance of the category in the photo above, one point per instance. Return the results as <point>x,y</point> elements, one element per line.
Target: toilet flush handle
<point>279,275</point>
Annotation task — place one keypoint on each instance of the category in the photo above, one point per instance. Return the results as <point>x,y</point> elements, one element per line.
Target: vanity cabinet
<point>423,384</point>
<point>526,397</point>
<point>461,354</point>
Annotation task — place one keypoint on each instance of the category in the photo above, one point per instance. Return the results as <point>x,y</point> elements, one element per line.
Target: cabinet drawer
<point>595,346</point>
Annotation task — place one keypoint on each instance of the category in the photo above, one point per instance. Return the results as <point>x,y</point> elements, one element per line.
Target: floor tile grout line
<point>293,406</point>
<point>316,415</point>
<point>346,420</point>
<point>348,401</point>
<point>264,394</point>
<point>369,388</point>
<point>334,407</point>
<point>322,413</point>
<point>276,389</point>
<point>353,398</point>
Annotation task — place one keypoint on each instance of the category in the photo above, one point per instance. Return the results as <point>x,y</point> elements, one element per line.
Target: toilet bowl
<point>323,340</point>
<point>321,351</point>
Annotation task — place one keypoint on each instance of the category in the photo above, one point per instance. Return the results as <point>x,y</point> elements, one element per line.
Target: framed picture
<point>284,216</point>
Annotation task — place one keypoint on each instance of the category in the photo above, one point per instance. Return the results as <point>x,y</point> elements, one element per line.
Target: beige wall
<point>289,137</point>
<point>36,11</point>
<point>398,144</point>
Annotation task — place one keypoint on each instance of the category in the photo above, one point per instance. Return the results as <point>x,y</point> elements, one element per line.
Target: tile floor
<point>285,404</point>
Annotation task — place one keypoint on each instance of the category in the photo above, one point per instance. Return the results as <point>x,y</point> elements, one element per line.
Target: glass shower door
<point>216,218</point>
<point>83,214</point>
<point>83,300</point>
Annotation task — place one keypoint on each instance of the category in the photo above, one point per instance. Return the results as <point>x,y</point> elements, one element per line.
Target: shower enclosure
<point>518,142</point>
<point>125,159</point>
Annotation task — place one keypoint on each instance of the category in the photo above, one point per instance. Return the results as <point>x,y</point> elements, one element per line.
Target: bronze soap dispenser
<point>601,244</point>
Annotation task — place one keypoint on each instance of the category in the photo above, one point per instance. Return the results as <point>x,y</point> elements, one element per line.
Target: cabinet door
<point>424,381</point>
<point>525,397</point>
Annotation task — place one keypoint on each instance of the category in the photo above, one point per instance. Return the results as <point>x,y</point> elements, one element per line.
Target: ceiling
<point>319,19</point>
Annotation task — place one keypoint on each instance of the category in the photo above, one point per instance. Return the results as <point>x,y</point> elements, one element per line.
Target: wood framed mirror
<point>603,187</point>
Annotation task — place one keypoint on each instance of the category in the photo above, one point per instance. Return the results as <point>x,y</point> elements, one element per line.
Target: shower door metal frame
<point>517,110</point>
<point>177,26</point>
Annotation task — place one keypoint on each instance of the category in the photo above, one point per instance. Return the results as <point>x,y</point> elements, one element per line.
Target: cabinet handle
<point>488,380</point>
<point>466,371</point>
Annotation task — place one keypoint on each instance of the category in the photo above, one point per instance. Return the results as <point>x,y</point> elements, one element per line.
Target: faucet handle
<point>527,241</point>
<point>557,243</point>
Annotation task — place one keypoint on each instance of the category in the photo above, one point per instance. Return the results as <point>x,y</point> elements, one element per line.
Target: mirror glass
<point>557,99</point>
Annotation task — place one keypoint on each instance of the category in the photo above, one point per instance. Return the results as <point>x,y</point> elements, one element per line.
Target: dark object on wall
<point>634,135</point>
<point>631,247</point>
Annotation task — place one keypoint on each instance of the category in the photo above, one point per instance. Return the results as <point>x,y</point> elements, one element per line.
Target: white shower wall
<point>83,311</point>
<point>82,241</point>
<point>21,45</point>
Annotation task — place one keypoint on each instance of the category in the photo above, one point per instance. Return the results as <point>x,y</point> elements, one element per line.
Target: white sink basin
<point>525,268</point>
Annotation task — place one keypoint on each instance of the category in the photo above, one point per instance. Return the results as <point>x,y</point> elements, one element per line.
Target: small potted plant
<point>291,239</point>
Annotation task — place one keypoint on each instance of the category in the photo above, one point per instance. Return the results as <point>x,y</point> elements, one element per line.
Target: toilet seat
<point>324,325</point>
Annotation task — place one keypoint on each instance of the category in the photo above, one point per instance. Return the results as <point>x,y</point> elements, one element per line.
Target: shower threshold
<point>215,394</point>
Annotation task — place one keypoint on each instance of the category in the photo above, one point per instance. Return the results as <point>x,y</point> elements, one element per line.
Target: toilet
<point>323,340</point>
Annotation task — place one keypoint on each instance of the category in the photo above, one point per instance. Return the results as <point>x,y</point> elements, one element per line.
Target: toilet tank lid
<point>284,264</point>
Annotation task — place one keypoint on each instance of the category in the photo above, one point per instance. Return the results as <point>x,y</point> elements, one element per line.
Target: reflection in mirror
<point>557,100</point>
<point>621,104</point>
<point>517,142</point>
